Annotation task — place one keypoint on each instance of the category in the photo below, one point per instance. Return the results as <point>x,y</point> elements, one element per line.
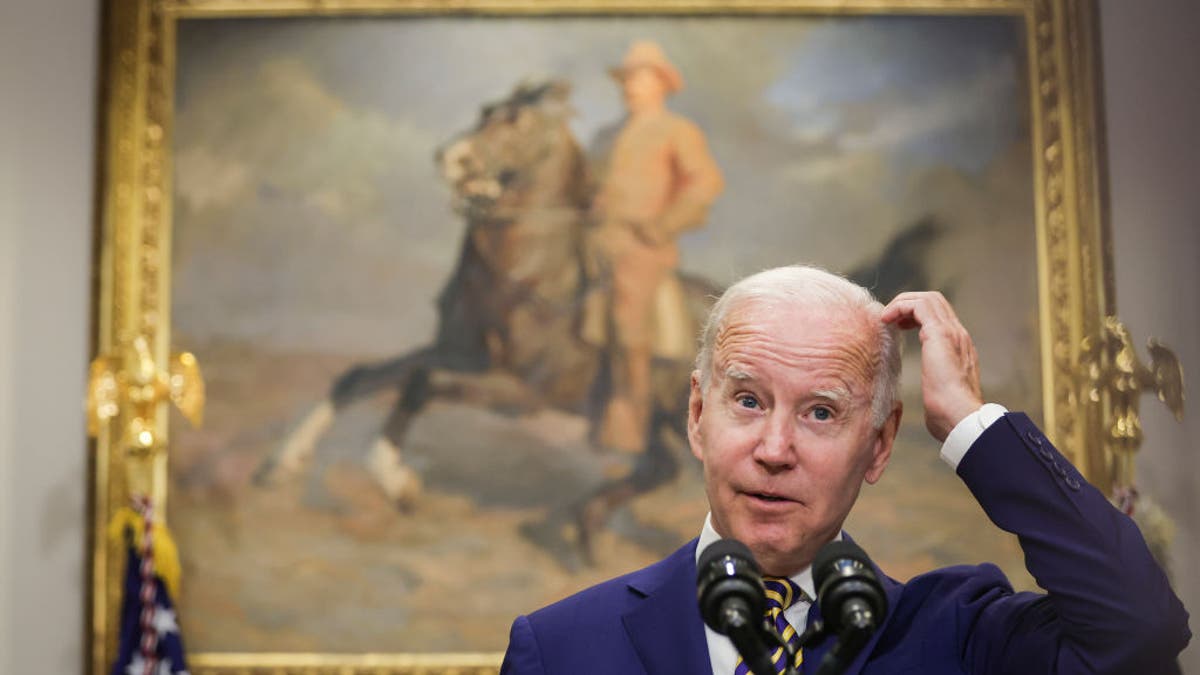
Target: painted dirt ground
<point>326,564</point>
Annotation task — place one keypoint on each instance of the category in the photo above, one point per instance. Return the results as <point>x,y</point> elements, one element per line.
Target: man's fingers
<point>899,309</point>
<point>912,309</point>
<point>949,367</point>
<point>903,317</point>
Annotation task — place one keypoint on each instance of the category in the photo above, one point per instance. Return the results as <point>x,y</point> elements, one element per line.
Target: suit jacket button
<point>1046,453</point>
<point>1072,482</point>
<point>1034,437</point>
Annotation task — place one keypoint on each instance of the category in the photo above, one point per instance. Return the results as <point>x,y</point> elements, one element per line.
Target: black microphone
<point>851,599</point>
<point>728,581</point>
<point>733,600</point>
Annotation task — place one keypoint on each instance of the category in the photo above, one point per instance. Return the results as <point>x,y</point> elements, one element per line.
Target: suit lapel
<point>665,628</point>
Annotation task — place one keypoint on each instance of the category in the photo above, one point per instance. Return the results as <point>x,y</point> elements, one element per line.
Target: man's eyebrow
<point>836,394</point>
<point>735,373</point>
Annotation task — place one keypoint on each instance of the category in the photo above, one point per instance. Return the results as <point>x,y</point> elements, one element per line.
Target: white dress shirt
<point>721,652</point>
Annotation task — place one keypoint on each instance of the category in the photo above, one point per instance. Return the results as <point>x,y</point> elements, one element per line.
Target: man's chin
<point>778,563</point>
<point>773,550</point>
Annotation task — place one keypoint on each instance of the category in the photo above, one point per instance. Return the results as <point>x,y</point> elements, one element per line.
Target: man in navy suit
<point>793,405</point>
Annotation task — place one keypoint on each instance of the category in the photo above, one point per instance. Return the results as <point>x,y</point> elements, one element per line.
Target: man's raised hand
<point>949,365</point>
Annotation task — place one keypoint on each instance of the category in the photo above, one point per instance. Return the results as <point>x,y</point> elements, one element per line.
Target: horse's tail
<point>904,263</point>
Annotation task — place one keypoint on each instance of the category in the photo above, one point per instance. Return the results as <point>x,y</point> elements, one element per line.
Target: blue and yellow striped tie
<point>781,593</point>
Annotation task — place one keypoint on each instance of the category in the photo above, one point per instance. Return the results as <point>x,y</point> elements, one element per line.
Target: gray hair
<point>808,285</point>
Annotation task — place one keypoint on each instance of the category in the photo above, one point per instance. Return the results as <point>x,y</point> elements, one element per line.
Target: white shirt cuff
<point>968,429</point>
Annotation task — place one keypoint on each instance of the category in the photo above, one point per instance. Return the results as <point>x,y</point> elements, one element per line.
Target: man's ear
<point>882,452</point>
<point>695,409</point>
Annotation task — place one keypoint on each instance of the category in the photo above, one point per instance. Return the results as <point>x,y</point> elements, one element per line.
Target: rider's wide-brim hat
<point>647,54</point>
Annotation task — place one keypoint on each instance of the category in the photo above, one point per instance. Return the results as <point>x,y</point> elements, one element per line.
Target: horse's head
<point>497,162</point>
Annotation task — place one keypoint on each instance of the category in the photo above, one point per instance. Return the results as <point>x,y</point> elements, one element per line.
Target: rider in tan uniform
<point>659,182</point>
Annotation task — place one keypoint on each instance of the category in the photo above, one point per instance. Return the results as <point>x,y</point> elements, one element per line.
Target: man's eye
<point>748,401</point>
<point>821,413</point>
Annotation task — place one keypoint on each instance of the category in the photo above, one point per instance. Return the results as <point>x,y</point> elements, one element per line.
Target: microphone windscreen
<point>833,551</point>
<point>729,585</point>
<point>725,547</point>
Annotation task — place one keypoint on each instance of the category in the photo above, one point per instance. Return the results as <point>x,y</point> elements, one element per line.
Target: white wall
<point>48,61</point>
<point>47,103</point>
<point>1151,57</point>
<point>8,244</point>
<point>8,247</point>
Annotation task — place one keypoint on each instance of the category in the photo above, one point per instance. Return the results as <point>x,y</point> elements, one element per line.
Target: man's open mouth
<point>769,497</point>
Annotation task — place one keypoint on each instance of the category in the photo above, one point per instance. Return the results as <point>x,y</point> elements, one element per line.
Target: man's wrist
<point>968,430</point>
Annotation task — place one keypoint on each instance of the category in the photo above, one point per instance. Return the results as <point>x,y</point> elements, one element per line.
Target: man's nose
<point>776,448</point>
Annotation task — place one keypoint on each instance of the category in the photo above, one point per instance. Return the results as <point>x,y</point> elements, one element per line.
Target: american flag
<point>150,643</point>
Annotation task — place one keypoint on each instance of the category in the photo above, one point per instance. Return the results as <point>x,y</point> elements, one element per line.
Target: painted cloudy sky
<point>309,214</point>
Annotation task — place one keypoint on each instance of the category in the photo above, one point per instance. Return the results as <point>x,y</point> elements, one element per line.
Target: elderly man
<point>658,182</point>
<point>793,406</point>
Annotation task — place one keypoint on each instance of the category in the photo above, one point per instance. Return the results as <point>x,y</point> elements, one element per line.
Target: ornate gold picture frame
<point>136,350</point>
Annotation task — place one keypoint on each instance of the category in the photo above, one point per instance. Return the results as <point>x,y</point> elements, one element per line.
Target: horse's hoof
<point>264,475</point>
<point>403,486</point>
<point>408,491</point>
<point>560,539</point>
<point>399,483</point>
<point>658,540</point>
<point>271,474</point>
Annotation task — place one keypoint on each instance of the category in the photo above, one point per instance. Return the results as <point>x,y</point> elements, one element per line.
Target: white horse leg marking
<point>299,446</point>
<point>399,482</point>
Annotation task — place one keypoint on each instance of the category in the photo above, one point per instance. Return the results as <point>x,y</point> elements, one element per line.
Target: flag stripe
<point>149,642</point>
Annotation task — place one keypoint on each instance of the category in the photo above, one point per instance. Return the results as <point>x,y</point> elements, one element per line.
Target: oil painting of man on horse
<point>565,295</point>
<point>448,311</point>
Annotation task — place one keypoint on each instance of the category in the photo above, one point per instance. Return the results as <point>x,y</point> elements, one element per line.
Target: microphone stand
<point>759,642</point>
<point>859,624</point>
<point>755,644</point>
<point>748,638</point>
<point>845,648</point>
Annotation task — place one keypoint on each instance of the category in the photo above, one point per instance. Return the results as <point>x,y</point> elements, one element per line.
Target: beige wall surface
<point>1150,58</point>
<point>47,101</point>
<point>8,248</point>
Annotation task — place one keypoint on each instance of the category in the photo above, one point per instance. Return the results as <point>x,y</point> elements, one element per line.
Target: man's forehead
<point>779,333</point>
<point>737,374</point>
<point>780,319</point>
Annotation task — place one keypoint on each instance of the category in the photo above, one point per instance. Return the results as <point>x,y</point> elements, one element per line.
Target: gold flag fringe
<point>166,555</point>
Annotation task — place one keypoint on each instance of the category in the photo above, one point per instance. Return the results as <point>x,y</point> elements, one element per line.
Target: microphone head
<point>722,548</point>
<point>834,551</point>
<point>842,571</point>
<point>726,571</point>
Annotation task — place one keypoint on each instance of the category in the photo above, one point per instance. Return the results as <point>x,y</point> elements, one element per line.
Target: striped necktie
<point>781,594</point>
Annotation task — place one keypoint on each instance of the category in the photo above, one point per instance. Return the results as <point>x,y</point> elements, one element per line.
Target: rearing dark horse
<point>509,318</point>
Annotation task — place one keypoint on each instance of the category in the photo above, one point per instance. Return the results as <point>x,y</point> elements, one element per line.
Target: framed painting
<point>368,222</point>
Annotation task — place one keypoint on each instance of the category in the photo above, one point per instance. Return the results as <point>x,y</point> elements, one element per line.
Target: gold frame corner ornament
<point>135,377</point>
<point>1114,379</point>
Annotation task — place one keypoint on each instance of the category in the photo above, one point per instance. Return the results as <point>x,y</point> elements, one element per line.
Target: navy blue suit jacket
<point>1108,607</point>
